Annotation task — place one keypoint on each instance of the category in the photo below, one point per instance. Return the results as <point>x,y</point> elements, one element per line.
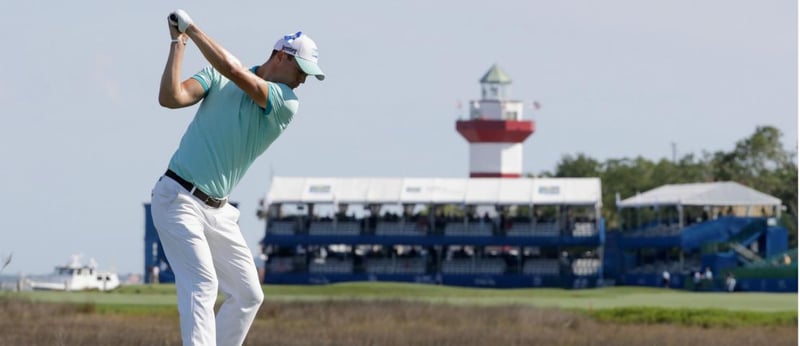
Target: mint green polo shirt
<point>229,132</point>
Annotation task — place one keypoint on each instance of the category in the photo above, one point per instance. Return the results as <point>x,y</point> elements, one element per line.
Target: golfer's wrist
<point>178,41</point>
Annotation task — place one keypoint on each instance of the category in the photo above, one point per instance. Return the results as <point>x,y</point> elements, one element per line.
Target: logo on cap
<point>289,49</point>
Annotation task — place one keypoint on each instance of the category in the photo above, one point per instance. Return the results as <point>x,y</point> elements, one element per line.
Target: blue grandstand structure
<point>522,232</point>
<point>485,232</point>
<point>700,234</point>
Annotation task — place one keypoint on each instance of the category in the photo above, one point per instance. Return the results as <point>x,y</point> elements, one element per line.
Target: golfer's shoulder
<point>283,96</point>
<point>282,90</point>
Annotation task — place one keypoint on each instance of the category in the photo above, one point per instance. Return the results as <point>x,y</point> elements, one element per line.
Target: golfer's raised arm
<point>229,66</point>
<point>173,93</point>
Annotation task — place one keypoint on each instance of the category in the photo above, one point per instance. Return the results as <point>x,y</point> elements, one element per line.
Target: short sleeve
<point>207,77</point>
<point>275,99</point>
<point>282,103</point>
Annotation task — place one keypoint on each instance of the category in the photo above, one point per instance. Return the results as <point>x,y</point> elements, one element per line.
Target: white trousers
<point>207,252</point>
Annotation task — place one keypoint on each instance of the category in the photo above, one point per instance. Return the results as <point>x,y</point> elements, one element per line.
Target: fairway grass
<point>589,299</point>
<point>601,298</point>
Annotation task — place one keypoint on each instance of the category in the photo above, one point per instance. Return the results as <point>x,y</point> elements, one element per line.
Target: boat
<point>76,276</point>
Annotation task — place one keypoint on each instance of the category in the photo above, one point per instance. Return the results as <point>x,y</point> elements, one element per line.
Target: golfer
<point>243,110</point>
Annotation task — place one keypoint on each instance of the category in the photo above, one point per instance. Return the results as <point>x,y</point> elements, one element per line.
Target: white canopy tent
<point>468,191</point>
<point>716,194</point>
<point>701,194</point>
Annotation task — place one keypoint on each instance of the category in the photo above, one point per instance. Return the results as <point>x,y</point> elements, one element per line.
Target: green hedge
<point>778,272</point>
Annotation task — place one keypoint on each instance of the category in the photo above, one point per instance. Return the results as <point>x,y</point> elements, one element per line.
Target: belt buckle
<point>213,202</point>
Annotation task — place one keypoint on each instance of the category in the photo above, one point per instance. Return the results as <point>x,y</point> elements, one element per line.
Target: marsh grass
<point>384,322</point>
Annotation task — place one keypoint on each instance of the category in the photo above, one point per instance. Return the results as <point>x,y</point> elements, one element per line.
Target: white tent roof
<point>701,194</point>
<point>501,191</point>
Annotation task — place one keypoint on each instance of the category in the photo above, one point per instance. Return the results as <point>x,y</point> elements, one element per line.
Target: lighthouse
<point>495,129</point>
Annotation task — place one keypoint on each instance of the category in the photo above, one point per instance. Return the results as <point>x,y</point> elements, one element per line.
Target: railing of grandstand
<point>541,266</point>
<point>399,228</point>
<point>395,265</point>
<point>331,266</point>
<point>280,264</point>
<point>468,229</point>
<point>374,226</point>
<point>474,266</point>
<point>664,228</point>
<point>549,229</point>
<point>459,265</point>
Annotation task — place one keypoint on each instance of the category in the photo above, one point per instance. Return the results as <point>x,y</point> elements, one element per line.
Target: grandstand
<point>472,232</point>
<point>686,229</point>
<point>539,232</point>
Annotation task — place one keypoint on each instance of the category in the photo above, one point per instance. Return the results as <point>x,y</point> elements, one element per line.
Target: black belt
<point>208,200</point>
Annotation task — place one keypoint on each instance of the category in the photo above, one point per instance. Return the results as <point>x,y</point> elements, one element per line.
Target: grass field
<point>602,298</point>
<point>410,314</point>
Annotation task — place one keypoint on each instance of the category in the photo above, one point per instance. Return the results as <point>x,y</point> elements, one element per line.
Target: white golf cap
<point>305,50</point>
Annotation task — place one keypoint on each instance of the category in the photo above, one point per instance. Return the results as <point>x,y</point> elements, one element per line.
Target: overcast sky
<point>84,138</point>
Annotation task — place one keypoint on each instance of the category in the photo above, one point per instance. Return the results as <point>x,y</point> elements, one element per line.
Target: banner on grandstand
<point>470,191</point>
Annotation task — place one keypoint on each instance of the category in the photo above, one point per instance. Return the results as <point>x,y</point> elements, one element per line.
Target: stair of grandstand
<point>744,252</point>
<point>720,230</point>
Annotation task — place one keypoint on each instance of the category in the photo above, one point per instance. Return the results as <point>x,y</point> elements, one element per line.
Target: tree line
<point>759,161</point>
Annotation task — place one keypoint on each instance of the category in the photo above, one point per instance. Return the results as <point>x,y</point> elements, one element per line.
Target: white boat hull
<point>71,286</point>
<point>75,277</point>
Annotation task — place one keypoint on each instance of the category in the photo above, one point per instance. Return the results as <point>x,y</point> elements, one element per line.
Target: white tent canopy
<point>701,194</point>
<point>471,191</point>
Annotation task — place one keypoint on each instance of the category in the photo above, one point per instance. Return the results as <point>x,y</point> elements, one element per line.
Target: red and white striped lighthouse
<point>495,129</point>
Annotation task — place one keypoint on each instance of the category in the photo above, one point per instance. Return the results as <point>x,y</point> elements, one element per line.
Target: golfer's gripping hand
<point>180,19</point>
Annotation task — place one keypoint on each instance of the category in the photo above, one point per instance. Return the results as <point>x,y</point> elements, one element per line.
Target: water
<point>8,282</point>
